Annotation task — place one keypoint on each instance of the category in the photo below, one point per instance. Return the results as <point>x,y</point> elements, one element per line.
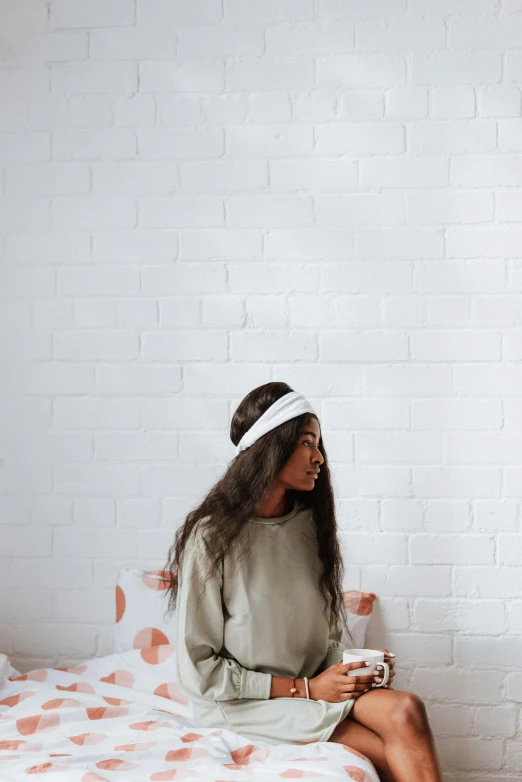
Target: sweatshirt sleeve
<point>200,625</point>
<point>334,652</point>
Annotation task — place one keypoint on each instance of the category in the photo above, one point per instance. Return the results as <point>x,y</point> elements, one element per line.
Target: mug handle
<point>385,677</point>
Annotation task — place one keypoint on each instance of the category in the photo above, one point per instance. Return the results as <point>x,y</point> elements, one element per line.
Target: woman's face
<point>301,470</point>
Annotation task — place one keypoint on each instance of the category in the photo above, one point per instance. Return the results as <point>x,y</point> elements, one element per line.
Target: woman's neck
<point>275,505</point>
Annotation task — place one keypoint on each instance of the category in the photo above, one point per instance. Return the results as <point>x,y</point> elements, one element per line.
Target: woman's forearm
<point>281,688</point>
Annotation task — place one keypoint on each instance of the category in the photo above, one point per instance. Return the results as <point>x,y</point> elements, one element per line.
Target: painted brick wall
<point>197,198</point>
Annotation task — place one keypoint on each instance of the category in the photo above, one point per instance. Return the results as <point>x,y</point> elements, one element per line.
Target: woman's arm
<point>335,649</point>
<point>200,626</point>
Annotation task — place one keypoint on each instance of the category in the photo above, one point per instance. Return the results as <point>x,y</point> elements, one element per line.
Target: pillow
<point>6,670</point>
<point>359,607</point>
<point>141,601</point>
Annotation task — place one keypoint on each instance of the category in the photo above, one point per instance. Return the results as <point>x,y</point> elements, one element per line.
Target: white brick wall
<point>197,198</point>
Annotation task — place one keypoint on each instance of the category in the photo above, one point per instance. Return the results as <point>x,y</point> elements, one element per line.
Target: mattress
<point>123,717</point>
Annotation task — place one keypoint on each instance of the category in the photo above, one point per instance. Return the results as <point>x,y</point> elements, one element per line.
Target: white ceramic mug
<point>372,655</point>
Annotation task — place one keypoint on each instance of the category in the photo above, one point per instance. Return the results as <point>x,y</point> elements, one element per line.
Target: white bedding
<point>122,717</point>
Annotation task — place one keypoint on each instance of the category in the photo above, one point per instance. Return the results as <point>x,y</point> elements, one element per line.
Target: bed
<point>123,717</point>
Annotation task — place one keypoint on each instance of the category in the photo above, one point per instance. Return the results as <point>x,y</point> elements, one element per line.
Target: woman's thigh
<point>363,740</point>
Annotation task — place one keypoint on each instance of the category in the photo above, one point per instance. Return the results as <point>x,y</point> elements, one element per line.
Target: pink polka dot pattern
<point>37,723</point>
<point>186,753</point>
<point>171,691</point>
<point>156,579</point>
<point>44,768</point>
<point>39,675</point>
<point>249,754</point>
<point>116,701</point>
<point>115,764</point>
<point>88,739</point>
<point>157,654</point>
<point>59,703</point>
<point>357,774</point>
<point>140,746</point>
<point>121,678</point>
<point>77,687</point>
<point>149,636</point>
<point>149,725</point>
<point>120,603</point>
<point>107,713</point>
<point>21,745</point>
<point>13,700</point>
<point>359,603</point>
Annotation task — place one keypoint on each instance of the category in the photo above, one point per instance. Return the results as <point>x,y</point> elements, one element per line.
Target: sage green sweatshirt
<point>264,618</point>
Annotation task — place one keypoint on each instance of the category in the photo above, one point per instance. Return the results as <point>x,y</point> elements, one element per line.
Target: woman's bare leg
<point>415,757</point>
<point>365,741</point>
<point>400,720</point>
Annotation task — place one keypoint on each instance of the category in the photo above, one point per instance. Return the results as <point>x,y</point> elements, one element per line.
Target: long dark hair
<point>246,483</point>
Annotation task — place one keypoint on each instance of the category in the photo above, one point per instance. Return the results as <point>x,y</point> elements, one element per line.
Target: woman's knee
<point>410,713</point>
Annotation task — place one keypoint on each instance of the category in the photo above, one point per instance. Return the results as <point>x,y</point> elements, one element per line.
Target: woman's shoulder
<point>196,556</point>
<point>194,543</point>
<point>197,533</point>
<point>202,522</point>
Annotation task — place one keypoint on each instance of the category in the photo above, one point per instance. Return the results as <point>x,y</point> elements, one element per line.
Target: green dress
<point>265,618</point>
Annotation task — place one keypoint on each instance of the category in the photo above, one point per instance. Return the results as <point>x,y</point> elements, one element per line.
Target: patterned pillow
<point>141,602</point>
<point>359,607</point>
<point>6,670</point>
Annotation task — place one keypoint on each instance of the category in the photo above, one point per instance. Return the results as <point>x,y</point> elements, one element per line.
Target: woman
<point>260,608</point>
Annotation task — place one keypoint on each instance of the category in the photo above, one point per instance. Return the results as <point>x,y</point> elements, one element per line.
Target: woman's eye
<point>307,442</point>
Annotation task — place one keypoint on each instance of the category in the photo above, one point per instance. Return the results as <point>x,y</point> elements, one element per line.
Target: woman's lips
<point>313,474</point>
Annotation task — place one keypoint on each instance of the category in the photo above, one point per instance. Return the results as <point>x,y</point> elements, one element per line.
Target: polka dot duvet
<point>122,717</point>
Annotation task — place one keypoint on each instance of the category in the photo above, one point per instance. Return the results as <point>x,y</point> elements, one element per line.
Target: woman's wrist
<point>281,688</point>
<point>301,688</point>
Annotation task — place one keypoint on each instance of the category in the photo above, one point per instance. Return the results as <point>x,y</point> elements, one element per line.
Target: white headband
<point>288,406</point>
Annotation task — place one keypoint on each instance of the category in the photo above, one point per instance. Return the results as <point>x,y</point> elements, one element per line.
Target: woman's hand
<point>334,685</point>
<point>378,676</point>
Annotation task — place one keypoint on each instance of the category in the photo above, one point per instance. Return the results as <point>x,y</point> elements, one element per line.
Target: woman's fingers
<point>362,683</point>
<point>379,674</point>
<point>362,677</point>
<point>391,665</point>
